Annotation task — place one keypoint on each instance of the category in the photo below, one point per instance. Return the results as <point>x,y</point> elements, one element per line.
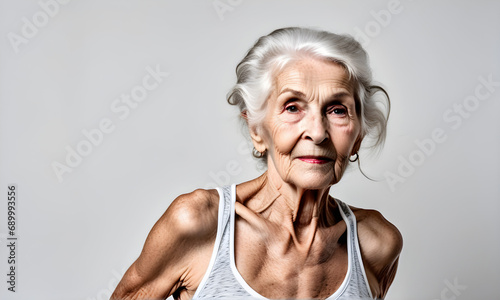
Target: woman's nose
<point>316,129</point>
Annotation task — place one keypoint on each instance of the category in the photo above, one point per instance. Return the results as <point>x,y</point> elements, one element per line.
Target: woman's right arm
<point>183,235</point>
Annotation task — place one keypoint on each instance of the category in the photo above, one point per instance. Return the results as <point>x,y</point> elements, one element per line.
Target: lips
<point>315,159</point>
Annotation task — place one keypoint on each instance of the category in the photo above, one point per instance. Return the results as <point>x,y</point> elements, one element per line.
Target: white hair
<point>271,53</point>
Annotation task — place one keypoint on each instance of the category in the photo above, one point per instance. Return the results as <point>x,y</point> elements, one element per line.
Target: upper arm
<point>165,264</point>
<point>381,244</point>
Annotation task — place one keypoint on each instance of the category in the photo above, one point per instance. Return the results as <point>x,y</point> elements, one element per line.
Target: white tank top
<point>223,281</point>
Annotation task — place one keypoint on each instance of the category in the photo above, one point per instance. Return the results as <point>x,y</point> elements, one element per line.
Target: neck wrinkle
<point>299,210</point>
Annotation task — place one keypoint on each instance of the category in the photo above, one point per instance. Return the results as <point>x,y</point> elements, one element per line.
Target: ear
<point>357,144</point>
<point>244,116</point>
<point>257,140</point>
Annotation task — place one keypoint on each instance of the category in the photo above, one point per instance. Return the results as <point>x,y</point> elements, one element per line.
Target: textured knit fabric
<point>223,281</point>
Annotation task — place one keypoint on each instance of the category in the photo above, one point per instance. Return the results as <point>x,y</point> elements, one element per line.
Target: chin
<point>312,181</point>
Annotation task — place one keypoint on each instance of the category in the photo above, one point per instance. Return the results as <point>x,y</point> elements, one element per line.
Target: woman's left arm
<point>381,243</point>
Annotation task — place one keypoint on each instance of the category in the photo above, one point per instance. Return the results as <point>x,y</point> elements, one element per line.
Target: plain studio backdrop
<point>111,109</point>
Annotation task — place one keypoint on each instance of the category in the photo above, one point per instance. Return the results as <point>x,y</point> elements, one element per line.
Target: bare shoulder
<point>377,236</point>
<point>184,233</point>
<point>380,244</point>
<point>190,218</point>
<point>192,214</point>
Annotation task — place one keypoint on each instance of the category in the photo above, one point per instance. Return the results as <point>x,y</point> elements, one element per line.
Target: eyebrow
<point>296,93</point>
<point>341,94</point>
<point>338,95</point>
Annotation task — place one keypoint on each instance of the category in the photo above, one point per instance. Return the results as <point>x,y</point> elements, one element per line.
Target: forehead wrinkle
<point>304,75</point>
<point>290,80</point>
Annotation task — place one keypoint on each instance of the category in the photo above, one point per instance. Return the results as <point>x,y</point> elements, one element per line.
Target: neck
<point>296,208</point>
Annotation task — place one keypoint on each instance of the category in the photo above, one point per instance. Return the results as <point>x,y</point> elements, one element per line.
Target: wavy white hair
<point>273,52</point>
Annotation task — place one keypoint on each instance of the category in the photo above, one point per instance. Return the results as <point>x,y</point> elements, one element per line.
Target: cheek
<point>283,138</point>
<point>344,138</point>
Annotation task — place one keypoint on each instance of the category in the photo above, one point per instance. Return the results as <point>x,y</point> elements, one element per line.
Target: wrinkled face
<point>311,126</point>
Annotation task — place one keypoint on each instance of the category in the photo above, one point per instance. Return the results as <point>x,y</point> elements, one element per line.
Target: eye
<point>338,110</point>
<point>292,108</point>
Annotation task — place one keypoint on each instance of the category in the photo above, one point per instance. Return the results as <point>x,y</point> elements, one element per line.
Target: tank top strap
<point>219,261</point>
<point>226,209</point>
<point>358,284</point>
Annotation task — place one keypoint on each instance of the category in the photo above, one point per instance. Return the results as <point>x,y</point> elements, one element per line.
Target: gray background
<point>76,237</point>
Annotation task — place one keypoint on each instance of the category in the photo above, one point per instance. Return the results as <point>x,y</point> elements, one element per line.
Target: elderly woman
<point>308,100</point>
